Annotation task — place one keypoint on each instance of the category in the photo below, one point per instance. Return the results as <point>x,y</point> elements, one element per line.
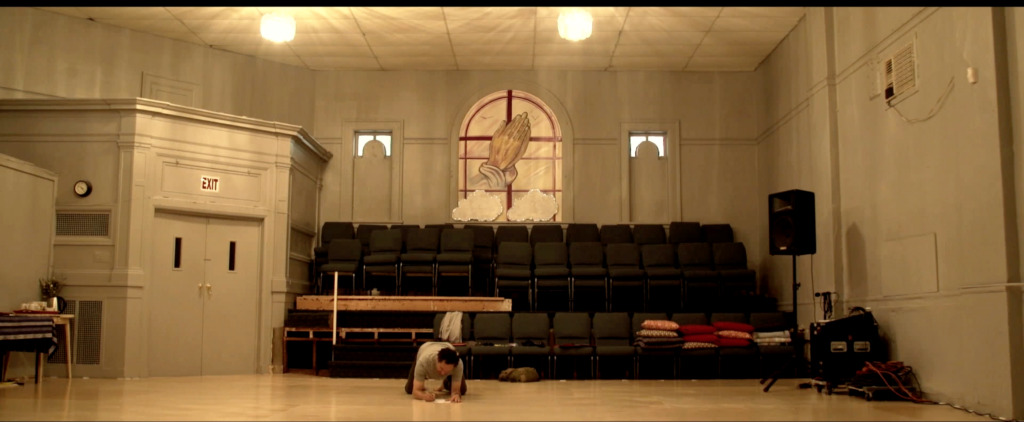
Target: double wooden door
<point>204,296</point>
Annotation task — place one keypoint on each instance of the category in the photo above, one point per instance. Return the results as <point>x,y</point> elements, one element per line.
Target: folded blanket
<point>771,334</point>
<point>658,342</point>
<point>772,341</point>
<point>699,345</point>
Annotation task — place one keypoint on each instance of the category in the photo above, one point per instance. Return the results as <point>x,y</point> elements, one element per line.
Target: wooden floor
<point>306,397</point>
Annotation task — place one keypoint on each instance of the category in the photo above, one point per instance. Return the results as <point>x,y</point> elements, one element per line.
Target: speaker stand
<point>798,346</point>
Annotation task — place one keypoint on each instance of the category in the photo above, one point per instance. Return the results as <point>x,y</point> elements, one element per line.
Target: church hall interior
<point>226,212</point>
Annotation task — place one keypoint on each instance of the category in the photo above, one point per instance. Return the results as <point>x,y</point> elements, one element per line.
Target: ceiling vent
<point>900,73</point>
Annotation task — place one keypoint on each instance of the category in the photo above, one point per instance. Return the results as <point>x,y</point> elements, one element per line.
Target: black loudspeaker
<point>791,223</point>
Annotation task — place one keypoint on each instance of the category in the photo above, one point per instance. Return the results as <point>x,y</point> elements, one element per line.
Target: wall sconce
<point>575,24</point>
<point>277,27</point>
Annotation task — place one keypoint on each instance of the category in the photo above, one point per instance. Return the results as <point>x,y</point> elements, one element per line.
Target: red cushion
<point>702,338</point>
<point>733,342</point>
<point>735,326</point>
<point>697,329</point>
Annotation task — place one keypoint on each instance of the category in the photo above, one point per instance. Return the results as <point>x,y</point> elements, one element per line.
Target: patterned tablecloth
<point>27,334</point>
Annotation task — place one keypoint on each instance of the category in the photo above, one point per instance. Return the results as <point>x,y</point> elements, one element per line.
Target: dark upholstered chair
<point>626,277</point>
<point>384,258</point>
<point>344,257</point>
<point>483,255</point>
<point>492,333</point>
<point>530,333</point>
<point>735,279</point>
<point>419,257</point>
<point>513,272</point>
<point>684,232</point>
<point>582,232</point>
<point>551,277</point>
<point>613,339</point>
<point>589,276</point>
<point>455,258</point>
<point>616,233</point>
<point>716,233</point>
<point>664,279</point>
<point>646,234</point>
<point>546,233</point>
<point>700,280</point>
<point>571,331</point>
<point>653,362</point>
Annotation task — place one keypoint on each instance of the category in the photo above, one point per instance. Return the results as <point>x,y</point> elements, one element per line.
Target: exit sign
<point>209,183</point>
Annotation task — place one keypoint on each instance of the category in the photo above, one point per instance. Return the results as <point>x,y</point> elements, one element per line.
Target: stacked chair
<point>626,277</point>
<point>455,259</point>
<point>552,278</point>
<point>513,273</point>
<point>419,258</point>
<point>589,276</point>
<point>383,259</point>
<point>551,267</point>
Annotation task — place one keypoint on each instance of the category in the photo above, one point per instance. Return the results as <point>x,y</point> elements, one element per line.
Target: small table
<point>57,319</point>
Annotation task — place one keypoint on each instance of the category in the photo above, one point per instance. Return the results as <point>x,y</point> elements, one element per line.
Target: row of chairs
<point>617,276</point>
<point>431,253</point>
<point>623,276</point>
<point>492,341</point>
<point>486,240</point>
<point>489,237</point>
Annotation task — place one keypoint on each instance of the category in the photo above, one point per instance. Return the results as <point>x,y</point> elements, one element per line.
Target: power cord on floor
<point>901,391</point>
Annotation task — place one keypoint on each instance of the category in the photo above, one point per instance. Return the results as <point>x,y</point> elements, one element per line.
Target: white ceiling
<point>475,38</point>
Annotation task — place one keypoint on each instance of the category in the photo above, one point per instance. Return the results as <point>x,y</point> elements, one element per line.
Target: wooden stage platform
<point>405,303</point>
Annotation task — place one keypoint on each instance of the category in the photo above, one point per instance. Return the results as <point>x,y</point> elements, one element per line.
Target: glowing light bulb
<point>575,24</point>
<point>277,27</point>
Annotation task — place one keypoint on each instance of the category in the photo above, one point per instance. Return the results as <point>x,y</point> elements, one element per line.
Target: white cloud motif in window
<point>479,206</point>
<point>534,206</point>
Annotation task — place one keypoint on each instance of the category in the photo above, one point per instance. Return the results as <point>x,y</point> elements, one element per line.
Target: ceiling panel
<point>504,62</point>
<point>417,63</point>
<point>493,38</point>
<point>493,50</point>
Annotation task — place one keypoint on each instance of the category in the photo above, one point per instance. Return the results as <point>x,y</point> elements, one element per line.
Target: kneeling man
<point>436,360</point>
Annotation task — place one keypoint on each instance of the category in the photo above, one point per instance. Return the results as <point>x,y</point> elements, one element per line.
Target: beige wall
<point>915,214</point>
<point>890,194</point>
<point>142,156</point>
<point>57,56</point>
<point>713,153</point>
<point>26,252</point>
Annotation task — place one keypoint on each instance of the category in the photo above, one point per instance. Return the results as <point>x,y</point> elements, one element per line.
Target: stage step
<point>372,360</point>
<point>370,369</point>
<point>374,352</point>
<point>299,318</point>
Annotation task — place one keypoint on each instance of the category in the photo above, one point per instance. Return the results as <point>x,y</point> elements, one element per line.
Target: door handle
<point>209,289</point>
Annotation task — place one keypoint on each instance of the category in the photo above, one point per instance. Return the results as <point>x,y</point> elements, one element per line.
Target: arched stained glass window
<point>510,143</point>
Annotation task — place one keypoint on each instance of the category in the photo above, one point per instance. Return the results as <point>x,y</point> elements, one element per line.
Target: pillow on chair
<point>656,333</point>
<point>702,338</point>
<point>697,329</point>
<point>660,324</point>
<point>734,334</point>
<point>735,326</point>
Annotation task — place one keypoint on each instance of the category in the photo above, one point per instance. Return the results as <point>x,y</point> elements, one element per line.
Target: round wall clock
<point>83,188</point>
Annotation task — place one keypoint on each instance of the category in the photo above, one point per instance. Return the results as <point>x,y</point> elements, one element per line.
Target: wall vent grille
<point>83,224</point>
<point>86,327</point>
<point>901,72</point>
